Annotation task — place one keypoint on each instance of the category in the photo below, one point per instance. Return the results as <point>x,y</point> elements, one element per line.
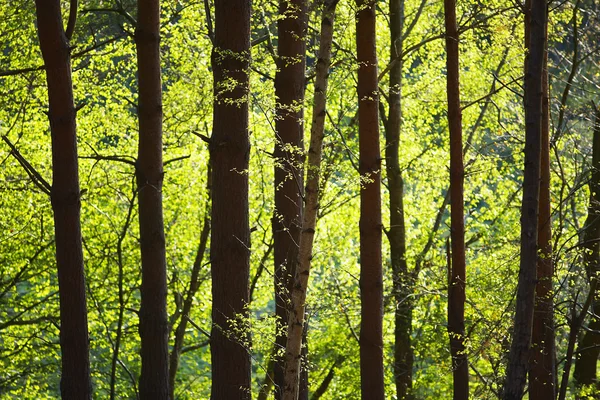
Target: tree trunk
<point>289,146</point>
<point>542,375</point>
<point>401,279</point>
<point>65,196</point>
<point>191,292</point>
<point>311,207</point>
<point>518,360</point>
<point>589,346</point>
<point>230,239</point>
<point>371,279</point>
<point>458,279</point>
<point>154,329</point>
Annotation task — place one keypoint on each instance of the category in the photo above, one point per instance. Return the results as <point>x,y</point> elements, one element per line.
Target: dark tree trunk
<point>401,278</point>
<point>154,330</point>
<point>589,345</point>
<point>296,323</point>
<point>458,278</point>
<point>518,360</point>
<point>230,239</point>
<point>65,196</point>
<point>542,375</point>
<point>289,92</point>
<point>371,279</point>
<point>322,389</point>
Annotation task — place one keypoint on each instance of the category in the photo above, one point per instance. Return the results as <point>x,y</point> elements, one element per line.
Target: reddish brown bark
<point>518,361</point>
<point>289,92</point>
<point>542,373</point>
<point>458,277</point>
<point>154,330</point>
<point>65,196</point>
<point>371,279</point>
<point>230,238</point>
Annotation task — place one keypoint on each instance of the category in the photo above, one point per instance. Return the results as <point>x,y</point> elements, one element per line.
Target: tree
<point>589,345</point>
<point>457,278</point>
<point>66,198</point>
<point>154,328</point>
<point>371,275</point>
<point>296,321</point>
<point>413,111</point>
<point>518,360</point>
<point>230,238</point>
<point>542,373</point>
<point>194,285</point>
<point>396,234</point>
<point>289,147</point>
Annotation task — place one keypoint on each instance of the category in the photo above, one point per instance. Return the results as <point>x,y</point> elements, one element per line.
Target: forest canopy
<point>296,199</point>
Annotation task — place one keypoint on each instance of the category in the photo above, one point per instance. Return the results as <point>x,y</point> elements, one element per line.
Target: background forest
<point>108,82</point>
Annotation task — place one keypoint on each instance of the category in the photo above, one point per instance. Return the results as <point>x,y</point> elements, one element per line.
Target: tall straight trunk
<point>289,92</point>
<point>402,282</point>
<point>154,329</point>
<point>311,207</point>
<point>230,239</point>
<point>516,374</point>
<point>458,278</point>
<point>542,373</point>
<point>589,345</point>
<point>75,380</point>
<point>371,276</point>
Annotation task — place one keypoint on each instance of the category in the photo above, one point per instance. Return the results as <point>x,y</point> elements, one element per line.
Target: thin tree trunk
<point>121,291</point>
<point>191,292</point>
<point>589,346</point>
<point>75,380</point>
<point>401,279</point>
<point>230,239</point>
<point>457,281</point>
<point>542,375</point>
<point>311,207</point>
<point>289,146</point>
<point>154,328</point>
<point>267,383</point>
<point>322,389</point>
<point>303,391</point>
<point>575,325</point>
<point>518,360</point>
<point>371,276</point>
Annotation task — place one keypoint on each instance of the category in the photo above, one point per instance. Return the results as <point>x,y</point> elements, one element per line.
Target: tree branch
<point>72,19</point>
<point>35,176</point>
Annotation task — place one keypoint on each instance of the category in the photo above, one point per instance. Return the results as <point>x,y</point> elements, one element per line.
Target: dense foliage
<point>104,76</point>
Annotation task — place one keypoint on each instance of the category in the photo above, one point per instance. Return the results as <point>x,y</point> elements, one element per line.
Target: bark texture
<point>401,278</point>
<point>589,345</point>
<point>371,278</point>
<point>518,360</point>
<point>542,374</point>
<point>230,239</point>
<point>65,196</point>
<point>311,207</point>
<point>154,329</point>
<point>289,146</point>
<point>458,278</point>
